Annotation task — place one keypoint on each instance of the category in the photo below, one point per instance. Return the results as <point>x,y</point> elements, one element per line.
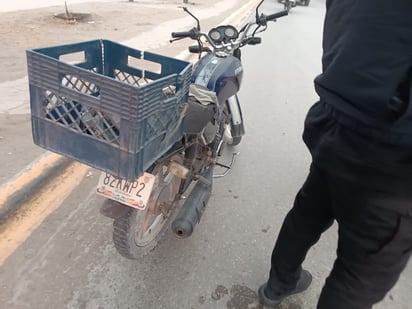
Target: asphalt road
<point>69,261</point>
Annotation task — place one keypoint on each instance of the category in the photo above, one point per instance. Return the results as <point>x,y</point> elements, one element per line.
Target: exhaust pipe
<point>194,206</point>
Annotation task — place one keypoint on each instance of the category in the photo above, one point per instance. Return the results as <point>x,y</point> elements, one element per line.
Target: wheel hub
<point>159,208</point>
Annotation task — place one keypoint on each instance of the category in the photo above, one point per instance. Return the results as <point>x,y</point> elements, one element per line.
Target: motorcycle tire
<point>137,232</point>
<point>287,6</point>
<point>236,140</point>
<point>229,138</point>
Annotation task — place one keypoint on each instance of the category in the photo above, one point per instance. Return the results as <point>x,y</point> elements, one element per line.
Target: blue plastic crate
<point>107,105</point>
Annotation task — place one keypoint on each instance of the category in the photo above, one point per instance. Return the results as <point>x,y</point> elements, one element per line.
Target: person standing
<point>360,137</point>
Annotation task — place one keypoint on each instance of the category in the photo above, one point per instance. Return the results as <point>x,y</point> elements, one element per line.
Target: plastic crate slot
<point>169,91</point>
<point>86,120</point>
<point>144,65</point>
<point>162,121</point>
<point>100,125</point>
<point>81,85</point>
<point>130,78</point>
<point>73,58</point>
<point>58,109</point>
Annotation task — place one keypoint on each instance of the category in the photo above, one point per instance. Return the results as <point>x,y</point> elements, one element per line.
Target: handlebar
<point>243,38</point>
<point>182,34</point>
<point>276,15</point>
<point>193,34</point>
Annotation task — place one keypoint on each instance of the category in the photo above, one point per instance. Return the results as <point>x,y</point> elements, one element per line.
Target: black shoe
<point>272,299</point>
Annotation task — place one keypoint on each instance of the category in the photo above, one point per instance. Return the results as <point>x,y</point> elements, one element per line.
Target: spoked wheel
<point>137,232</point>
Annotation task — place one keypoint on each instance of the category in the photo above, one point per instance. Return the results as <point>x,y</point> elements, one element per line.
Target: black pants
<point>374,244</point>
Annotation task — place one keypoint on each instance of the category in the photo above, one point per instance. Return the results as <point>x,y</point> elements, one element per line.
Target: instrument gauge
<point>231,32</point>
<point>215,35</point>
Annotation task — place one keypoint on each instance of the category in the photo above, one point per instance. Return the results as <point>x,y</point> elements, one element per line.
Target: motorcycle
<point>289,4</point>
<point>177,186</point>
<point>303,2</point>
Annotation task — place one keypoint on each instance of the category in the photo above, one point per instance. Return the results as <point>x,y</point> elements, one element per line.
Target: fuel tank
<point>222,75</point>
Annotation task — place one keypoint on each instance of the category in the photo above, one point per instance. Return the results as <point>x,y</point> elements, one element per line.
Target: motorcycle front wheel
<point>229,138</point>
<point>287,6</point>
<point>234,128</point>
<point>137,232</point>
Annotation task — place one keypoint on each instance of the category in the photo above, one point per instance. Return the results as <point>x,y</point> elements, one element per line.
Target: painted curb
<point>28,182</point>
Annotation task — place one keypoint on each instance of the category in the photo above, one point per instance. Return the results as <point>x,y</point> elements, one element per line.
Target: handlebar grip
<point>254,41</point>
<point>276,15</point>
<point>182,34</point>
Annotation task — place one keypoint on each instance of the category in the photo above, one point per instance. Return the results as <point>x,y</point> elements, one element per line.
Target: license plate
<point>134,194</point>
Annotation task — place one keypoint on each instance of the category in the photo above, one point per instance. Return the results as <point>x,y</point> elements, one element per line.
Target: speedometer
<point>223,34</point>
<point>215,35</point>
<point>230,32</point>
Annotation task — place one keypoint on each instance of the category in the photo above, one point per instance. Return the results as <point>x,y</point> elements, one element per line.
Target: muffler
<point>194,206</point>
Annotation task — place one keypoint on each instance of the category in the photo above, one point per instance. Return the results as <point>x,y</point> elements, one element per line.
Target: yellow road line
<point>237,17</point>
<point>28,175</point>
<point>30,216</point>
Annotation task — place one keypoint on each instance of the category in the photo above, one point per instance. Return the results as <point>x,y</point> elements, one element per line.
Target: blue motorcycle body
<point>222,75</point>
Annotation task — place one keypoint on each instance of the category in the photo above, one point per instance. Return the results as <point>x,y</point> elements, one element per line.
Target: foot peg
<point>227,167</point>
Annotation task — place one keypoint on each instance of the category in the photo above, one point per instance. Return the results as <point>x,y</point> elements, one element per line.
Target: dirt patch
<point>116,21</point>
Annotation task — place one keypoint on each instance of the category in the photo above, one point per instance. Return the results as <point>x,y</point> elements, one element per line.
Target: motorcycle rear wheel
<point>136,233</point>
